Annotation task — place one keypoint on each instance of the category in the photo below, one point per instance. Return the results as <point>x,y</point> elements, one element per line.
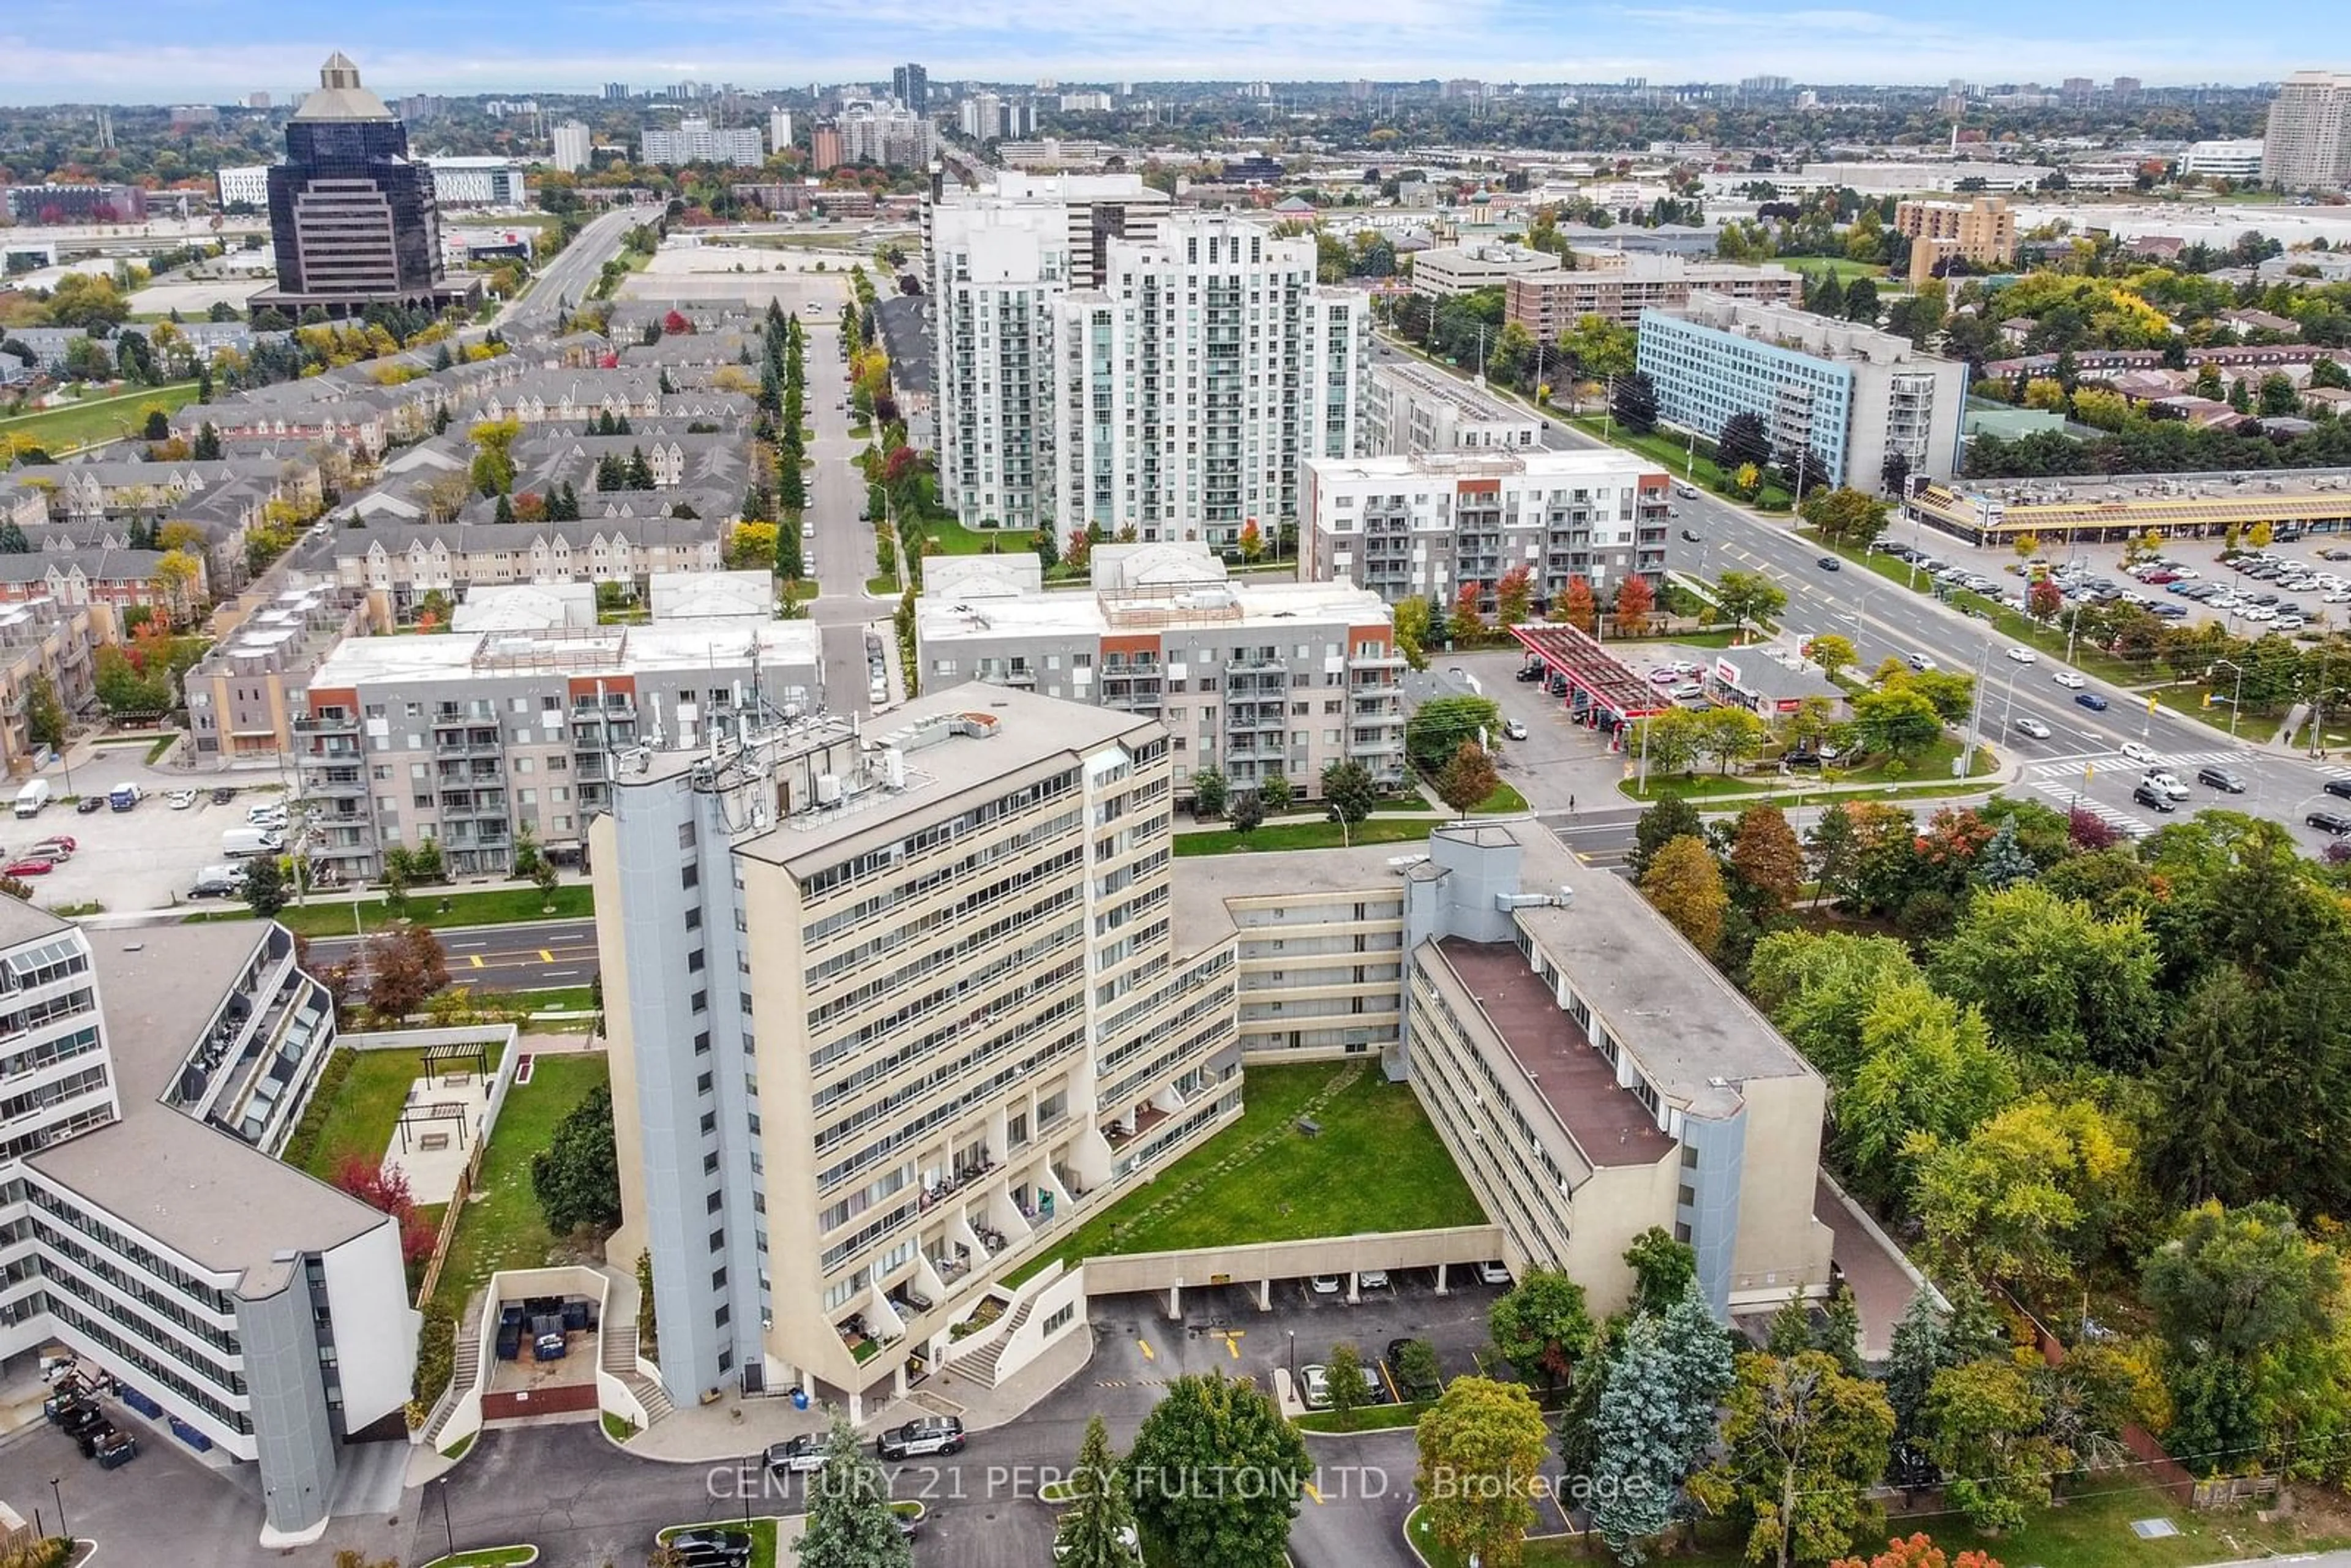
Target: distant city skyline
<point>53,52</point>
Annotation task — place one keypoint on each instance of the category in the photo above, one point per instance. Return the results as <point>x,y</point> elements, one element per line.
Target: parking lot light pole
<point>1293,1360</point>
<point>59,1497</point>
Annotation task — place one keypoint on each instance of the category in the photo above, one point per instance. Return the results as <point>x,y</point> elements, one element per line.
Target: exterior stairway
<point>980,1365</point>
<point>469,1357</point>
<point>620,1358</point>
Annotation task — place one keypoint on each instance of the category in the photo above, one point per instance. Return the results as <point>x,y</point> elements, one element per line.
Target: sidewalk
<point>731,1428</point>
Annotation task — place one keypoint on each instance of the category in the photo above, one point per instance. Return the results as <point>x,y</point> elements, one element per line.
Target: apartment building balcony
<point>335,781</point>
<point>469,742</point>
<point>332,723</point>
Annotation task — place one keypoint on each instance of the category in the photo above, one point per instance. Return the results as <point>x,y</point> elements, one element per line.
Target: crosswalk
<point>2069,798</point>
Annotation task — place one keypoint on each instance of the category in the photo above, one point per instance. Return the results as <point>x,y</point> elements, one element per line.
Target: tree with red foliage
<point>1919,1552</point>
<point>1079,550</point>
<point>2089,830</point>
<point>675,325</point>
<point>386,1192</point>
<point>1635,600</point>
<point>1953,840</point>
<point>1514,591</point>
<point>2043,600</point>
<point>1578,608</point>
<point>404,966</point>
<point>1466,620</point>
<point>902,461</point>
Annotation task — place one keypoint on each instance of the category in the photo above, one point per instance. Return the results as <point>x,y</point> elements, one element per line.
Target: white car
<point>1324,1285</point>
<point>2159,779</point>
<point>1493,1273</point>
<point>2027,725</point>
<point>1513,730</point>
<point>2069,680</point>
<point>2137,752</point>
<point>1372,1280</point>
<point>2023,656</point>
<point>180,799</point>
<point>1314,1388</point>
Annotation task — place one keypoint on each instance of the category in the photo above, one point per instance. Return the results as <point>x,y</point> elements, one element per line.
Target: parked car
<point>223,793</point>
<point>180,799</point>
<point>2026,724</point>
<point>1493,1273</point>
<point>1513,730</point>
<point>1371,1280</point>
<point>218,882</point>
<point>123,797</point>
<point>1324,1285</point>
<point>28,868</point>
<point>711,1548</point>
<point>796,1456</point>
<point>2329,822</point>
<point>2150,796</point>
<point>932,1435</point>
<point>2341,786</point>
<point>2220,779</point>
<point>52,850</point>
<point>1529,673</point>
<point>2091,700</point>
<point>88,804</point>
<point>1314,1386</point>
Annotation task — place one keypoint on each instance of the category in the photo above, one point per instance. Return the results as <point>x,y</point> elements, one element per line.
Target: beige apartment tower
<point>1982,230</point>
<point>2308,144</point>
<point>890,1010</point>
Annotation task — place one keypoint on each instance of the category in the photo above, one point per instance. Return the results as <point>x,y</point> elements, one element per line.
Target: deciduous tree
<point>1662,1268</point>
<point>1684,882</point>
<point>1767,861</point>
<point>1540,1325</point>
<point>1746,596</point>
<point>2023,1198</point>
<point>1205,1429</point>
<point>1636,603</point>
<point>1481,1445</point>
<point>1349,793</point>
<point>1513,592</point>
<point>1438,727</point>
<point>1672,816</point>
<point>1833,652</point>
<point>577,1178</point>
<point>1981,1426</point>
<point>1802,1444</point>
<point>2054,981</point>
<point>1344,1380</point>
<point>1209,793</point>
<point>1577,606</point>
<point>1467,777</point>
<point>405,965</point>
<point>384,1188</point>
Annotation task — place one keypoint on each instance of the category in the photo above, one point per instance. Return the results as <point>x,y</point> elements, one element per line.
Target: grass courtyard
<point>497,906</point>
<point>360,1119</point>
<point>1262,1180</point>
<point>501,1227</point>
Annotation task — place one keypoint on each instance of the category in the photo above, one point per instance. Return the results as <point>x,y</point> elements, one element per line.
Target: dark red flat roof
<point>1608,1122</point>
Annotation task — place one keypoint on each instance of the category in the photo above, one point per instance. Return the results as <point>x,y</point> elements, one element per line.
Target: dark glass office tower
<point>350,214</point>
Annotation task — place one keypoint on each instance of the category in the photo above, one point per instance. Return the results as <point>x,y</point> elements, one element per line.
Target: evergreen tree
<point>505,513</point>
<point>2004,860</point>
<point>849,1524</point>
<point>1098,1530</point>
<point>621,426</point>
<point>441,360</point>
<point>13,540</point>
<point>203,383</point>
<point>662,381</point>
<point>1840,1331</point>
<point>1792,1328</point>
<point>610,474</point>
<point>641,472</point>
<point>1654,1420</point>
<point>208,443</point>
<point>1921,1348</point>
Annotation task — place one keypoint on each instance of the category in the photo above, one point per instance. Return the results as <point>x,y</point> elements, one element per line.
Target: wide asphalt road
<point>534,956</point>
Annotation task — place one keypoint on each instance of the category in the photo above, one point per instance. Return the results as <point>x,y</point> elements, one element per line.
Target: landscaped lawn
<point>1932,765</point>
<point>2050,640</point>
<point>501,1227</point>
<point>488,1557</point>
<point>360,1120</point>
<point>1302,836</point>
<point>763,1537</point>
<point>498,906</point>
<point>1673,455</point>
<point>1365,1419</point>
<point>62,429</point>
<point>2091,1531</point>
<point>1282,1184</point>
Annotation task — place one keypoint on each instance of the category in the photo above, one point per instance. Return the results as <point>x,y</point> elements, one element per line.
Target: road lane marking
<point>1313,1491</point>
<point>1144,1346</point>
<point>477,961</point>
<point>545,956</point>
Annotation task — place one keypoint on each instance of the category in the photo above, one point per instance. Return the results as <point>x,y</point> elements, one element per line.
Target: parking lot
<point>145,858</point>
<point>1558,762</point>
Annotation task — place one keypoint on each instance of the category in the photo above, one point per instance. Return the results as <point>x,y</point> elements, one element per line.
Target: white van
<point>32,797</point>
<point>243,843</point>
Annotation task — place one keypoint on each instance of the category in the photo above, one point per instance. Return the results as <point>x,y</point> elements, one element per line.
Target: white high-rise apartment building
<point>890,1013</point>
<point>1204,367</point>
<point>695,142</point>
<point>2308,144</point>
<point>779,129</point>
<point>886,135</point>
<point>572,142</point>
<point>999,269</point>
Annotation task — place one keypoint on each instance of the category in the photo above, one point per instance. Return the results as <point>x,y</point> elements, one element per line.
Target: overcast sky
<point>67,50</point>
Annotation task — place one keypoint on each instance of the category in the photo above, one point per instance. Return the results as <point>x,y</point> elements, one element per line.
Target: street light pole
<point>59,1497</point>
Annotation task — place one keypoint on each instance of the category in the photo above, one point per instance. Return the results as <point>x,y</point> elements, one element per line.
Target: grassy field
<point>556,999</point>
<point>1368,1418</point>
<point>1845,269</point>
<point>365,1109</point>
<point>1262,1180</point>
<point>498,906</point>
<point>502,1228</point>
<point>2091,1530</point>
<point>2045,639</point>
<point>1302,836</point>
<point>61,430</point>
